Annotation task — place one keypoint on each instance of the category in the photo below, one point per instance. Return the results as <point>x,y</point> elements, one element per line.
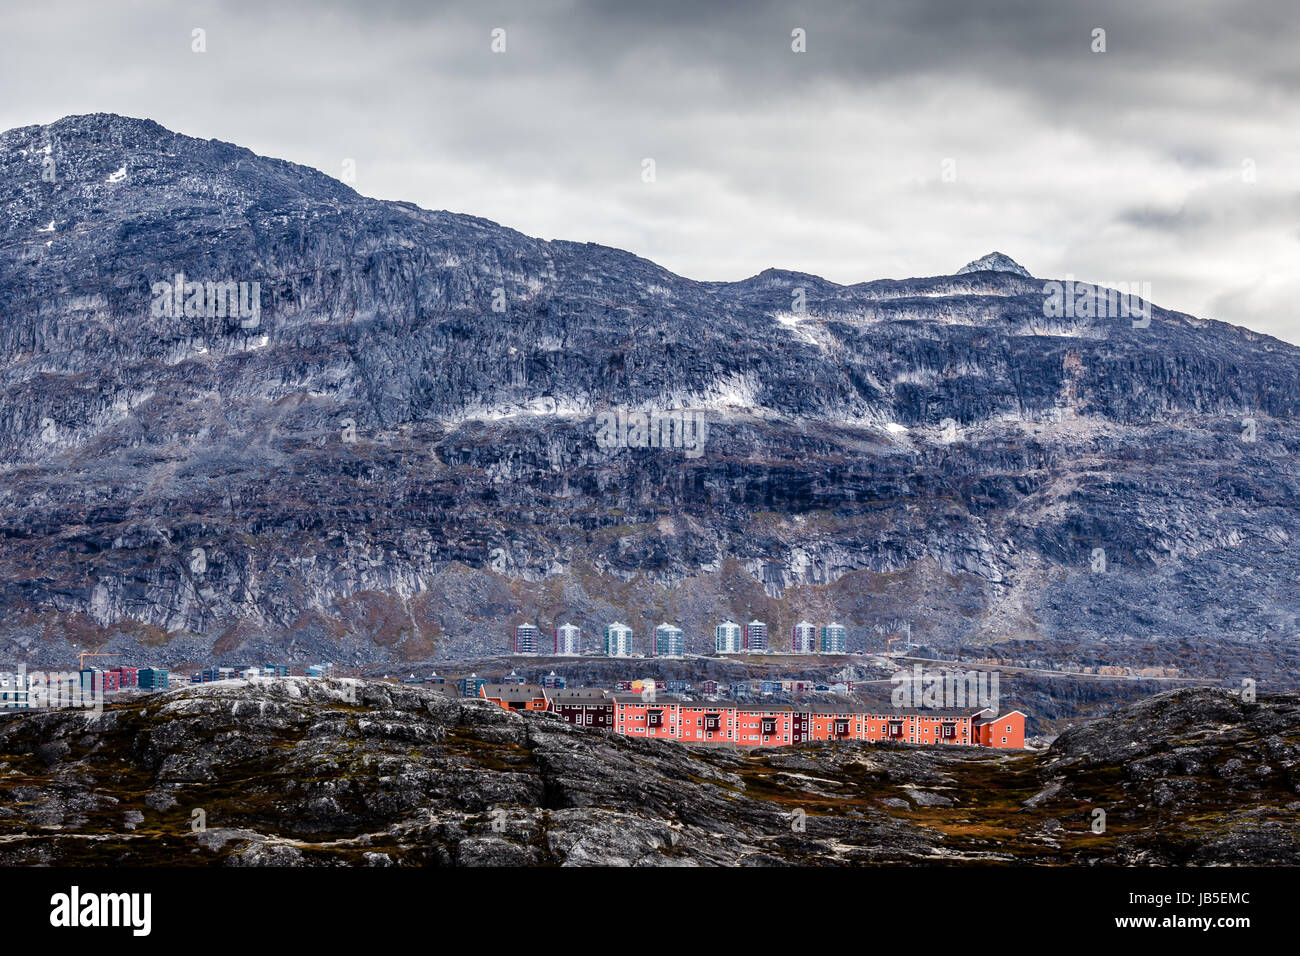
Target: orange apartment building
<point>517,696</point>
<point>720,722</point>
<point>703,722</point>
<point>779,725</point>
<point>1004,730</point>
<point>773,727</point>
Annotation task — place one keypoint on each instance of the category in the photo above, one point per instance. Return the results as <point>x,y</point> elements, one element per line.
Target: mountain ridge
<point>994,261</point>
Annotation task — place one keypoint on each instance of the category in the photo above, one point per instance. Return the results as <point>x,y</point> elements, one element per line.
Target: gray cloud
<point>830,162</point>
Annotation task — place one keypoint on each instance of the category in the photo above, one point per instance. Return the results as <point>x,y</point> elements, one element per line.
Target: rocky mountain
<point>293,771</point>
<point>247,413</point>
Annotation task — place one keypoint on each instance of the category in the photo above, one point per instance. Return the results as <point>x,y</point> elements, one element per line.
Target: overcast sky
<point>909,138</point>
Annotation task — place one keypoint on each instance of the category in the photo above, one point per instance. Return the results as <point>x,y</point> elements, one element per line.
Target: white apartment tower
<point>727,638</point>
<point>669,641</point>
<point>803,638</point>
<point>835,639</point>
<point>618,640</point>
<point>568,640</point>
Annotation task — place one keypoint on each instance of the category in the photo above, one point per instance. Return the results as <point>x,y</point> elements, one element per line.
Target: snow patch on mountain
<point>733,391</point>
<point>798,324</point>
<point>995,262</point>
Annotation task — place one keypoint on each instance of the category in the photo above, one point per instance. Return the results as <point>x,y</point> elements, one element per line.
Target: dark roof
<point>582,695</point>
<point>514,693</point>
<point>672,699</point>
<point>868,710</point>
<point>817,707</point>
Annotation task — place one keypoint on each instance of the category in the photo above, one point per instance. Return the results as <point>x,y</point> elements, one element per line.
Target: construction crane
<point>889,641</point>
<point>81,658</point>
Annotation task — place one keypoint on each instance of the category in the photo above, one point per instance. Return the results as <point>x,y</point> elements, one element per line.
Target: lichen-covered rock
<point>280,772</point>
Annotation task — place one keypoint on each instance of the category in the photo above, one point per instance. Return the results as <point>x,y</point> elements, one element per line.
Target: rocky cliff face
<point>319,773</point>
<point>397,449</point>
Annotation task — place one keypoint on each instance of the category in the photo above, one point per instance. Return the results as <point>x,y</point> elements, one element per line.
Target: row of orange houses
<point>719,722</point>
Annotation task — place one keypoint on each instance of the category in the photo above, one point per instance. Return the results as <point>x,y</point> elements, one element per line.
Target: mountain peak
<point>995,262</point>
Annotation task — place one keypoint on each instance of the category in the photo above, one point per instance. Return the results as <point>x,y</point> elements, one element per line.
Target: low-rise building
<point>706,722</point>
<point>96,681</point>
<point>471,685</point>
<point>687,721</point>
<point>154,678</point>
<point>126,676</point>
<point>1004,730</point>
<point>516,696</point>
<point>15,692</point>
<point>585,707</point>
<point>770,725</point>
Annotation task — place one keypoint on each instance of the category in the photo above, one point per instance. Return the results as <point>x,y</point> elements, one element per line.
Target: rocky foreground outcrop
<point>291,771</point>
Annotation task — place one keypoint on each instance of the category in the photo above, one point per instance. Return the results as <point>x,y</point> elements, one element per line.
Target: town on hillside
<point>635,708</point>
